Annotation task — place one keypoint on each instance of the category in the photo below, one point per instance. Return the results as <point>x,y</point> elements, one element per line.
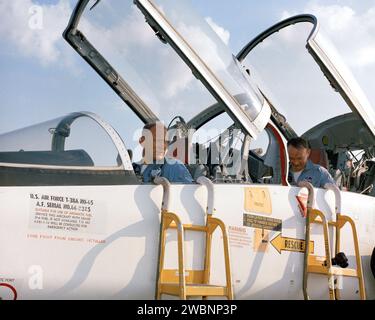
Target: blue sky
<point>42,78</point>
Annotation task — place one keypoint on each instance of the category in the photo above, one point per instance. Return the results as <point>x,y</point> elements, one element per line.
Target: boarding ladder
<point>323,264</point>
<point>187,283</point>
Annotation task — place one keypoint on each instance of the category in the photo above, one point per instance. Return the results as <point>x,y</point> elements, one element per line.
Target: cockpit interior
<point>230,117</point>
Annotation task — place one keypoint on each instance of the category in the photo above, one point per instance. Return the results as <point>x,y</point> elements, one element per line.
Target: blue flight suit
<point>172,169</point>
<point>317,175</point>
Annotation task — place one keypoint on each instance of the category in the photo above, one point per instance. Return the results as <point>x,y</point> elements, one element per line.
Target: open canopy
<point>165,63</point>
<point>295,80</point>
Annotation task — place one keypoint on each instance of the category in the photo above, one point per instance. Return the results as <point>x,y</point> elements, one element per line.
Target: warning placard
<point>253,221</point>
<point>238,237</point>
<point>66,213</point>
<point>258,200</point>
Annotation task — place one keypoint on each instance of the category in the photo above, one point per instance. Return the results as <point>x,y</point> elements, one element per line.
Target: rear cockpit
<point>313,94</point>
<point>348,148</point>
<point>77,149</point>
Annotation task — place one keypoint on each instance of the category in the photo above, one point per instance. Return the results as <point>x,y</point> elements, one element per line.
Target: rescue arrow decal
<point>281,243</point>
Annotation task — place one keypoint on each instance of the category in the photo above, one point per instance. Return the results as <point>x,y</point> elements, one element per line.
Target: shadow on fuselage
<point>151,215</point>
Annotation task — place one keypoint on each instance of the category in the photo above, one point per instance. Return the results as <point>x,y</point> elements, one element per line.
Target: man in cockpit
<point>154,162</point>
<point>301,168</point>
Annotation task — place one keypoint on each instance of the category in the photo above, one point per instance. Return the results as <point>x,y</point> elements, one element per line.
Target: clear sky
<point>42,77</point>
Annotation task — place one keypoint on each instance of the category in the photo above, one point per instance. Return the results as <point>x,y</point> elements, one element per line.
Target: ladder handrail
<point>180,249</point>
<point>164,208</point>
<point>334,293</point>
<point>204,181</point>
<point>337,193</point>
<point>171,220</point>
<point>339,219</point>
<point>310,203</point>
<point>228,268</point>
<point>311,193</point>
<point>166,194</point>
<point>327,250</point>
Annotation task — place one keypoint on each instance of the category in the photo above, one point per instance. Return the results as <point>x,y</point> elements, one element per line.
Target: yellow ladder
<point>186,283</point>
<point>323,264</point>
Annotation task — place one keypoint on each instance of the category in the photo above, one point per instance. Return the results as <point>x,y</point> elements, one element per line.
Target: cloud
<point>185,77</point>
<point>139,38</point>
<point>366,56</point>
<point>36,30</point>
<point>153,69</point>
<point>149,66</point>
<point>345,27</point>
<point>352,31</point>
<point>221,32</point>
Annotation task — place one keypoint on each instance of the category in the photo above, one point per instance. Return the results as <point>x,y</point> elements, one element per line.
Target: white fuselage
<point>106,245</point>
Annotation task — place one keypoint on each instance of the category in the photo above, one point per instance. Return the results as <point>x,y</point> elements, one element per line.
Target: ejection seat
<point>320,157</point>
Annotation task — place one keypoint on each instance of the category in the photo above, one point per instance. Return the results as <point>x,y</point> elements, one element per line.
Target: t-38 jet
<point>78,221</point>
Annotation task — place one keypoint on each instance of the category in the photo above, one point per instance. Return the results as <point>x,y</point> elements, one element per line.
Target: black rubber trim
<point>15,177</point>
<point>372,263</point>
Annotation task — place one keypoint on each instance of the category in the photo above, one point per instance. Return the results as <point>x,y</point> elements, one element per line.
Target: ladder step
<point>314,260</point>
<point>190,227</point>
<point>191,276</point>
<point>335,271</point>
<point>194,289</point>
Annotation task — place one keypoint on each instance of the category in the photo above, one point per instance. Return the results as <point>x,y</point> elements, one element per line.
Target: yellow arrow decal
<point>281,243</point>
